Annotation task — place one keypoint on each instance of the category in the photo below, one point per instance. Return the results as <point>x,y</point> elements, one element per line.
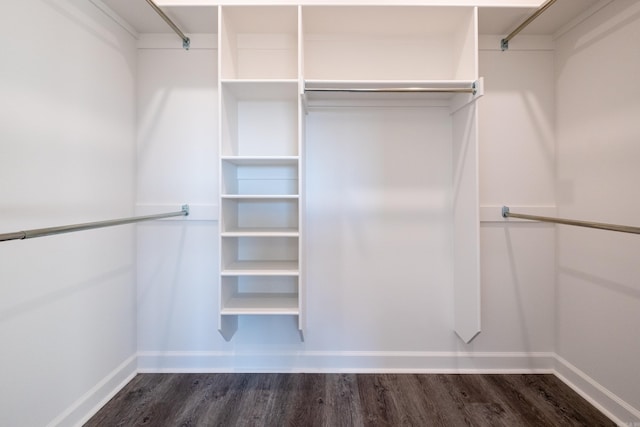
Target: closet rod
<point>504,43</point>
<point>41,232</point>
<point>186,42</point>
<point>588,224</point>
<point>396,90</point>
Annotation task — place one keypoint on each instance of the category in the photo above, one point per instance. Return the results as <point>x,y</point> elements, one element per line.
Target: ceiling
<point>204,19</point>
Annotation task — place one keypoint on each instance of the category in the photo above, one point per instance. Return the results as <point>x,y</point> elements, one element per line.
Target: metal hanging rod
<point>41,232</point>
<point>471,90</point>
<point>186,42</point>
<point>504,43</point>
<point>588,224</point>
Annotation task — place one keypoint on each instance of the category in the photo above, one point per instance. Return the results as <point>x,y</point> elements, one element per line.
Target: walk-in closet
<point>359,196</point>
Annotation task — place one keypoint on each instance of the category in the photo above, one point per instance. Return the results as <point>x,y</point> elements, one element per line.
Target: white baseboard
<point>352,361</point>
<point>87,405</point>
<point>607,402</point>
<point>611,405</point>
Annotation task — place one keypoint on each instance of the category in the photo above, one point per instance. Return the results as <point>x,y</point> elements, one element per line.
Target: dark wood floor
<point>347,400</point>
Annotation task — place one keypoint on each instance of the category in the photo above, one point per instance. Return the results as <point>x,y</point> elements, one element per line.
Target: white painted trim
<point>87,405</point>
<point>523,42</point>
<point>197,211</point>
<point>347,361</point>
<point>490,213</point>
<point>599,396</point>
<point>171,41</point>
<point>115,17</point>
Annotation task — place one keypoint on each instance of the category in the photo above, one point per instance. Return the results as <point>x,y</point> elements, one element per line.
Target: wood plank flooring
<point>347,400</point>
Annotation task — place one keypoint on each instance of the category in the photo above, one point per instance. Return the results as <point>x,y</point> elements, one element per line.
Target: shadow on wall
<point>602,282</point>
<point>629,14</point>
<point>517,286</point>
<point>66,292</point>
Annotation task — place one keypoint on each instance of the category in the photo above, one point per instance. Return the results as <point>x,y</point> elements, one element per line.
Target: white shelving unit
<point>400,47</point>
<point>260,168</point>
<point>268,55</point>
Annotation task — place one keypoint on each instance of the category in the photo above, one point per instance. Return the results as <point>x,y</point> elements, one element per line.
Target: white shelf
<point>260,232</point>
<point>262,89</point>
<point>261,268</point>
<point>260,196</point>
<point>261,160</point>
<point>261,303</point>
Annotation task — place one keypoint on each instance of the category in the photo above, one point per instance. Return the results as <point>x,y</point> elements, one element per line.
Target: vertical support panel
<point>466,221</point>
<point>301,180</point>
<point>227,326</point>
<point>466,47</point>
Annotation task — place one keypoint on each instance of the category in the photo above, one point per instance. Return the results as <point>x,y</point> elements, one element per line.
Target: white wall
<point>517,160</point>
<point>177,105</point>
<point>598,276</point>
<point>67,126</point>
<point>360,313</point>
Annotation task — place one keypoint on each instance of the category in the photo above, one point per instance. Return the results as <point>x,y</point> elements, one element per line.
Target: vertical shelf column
<point>466,209</point>
<point>260,167</point>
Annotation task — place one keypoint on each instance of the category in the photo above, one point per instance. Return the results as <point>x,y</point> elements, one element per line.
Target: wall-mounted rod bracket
<point>504,43</point>
<point>186,42</point>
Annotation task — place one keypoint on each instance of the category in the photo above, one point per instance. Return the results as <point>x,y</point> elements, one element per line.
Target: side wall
<point>177,104</point>
<point>67,127</point>
<point>517,159</point>
<point>598,273</point>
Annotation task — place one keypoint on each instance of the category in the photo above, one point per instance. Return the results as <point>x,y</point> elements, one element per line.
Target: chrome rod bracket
<point>186,42</point>
<point>504,43</point>
<point>505,212</point>
<point>185,210</point>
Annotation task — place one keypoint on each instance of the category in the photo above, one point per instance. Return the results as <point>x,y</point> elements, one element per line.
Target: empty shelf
<point>261,303</point>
